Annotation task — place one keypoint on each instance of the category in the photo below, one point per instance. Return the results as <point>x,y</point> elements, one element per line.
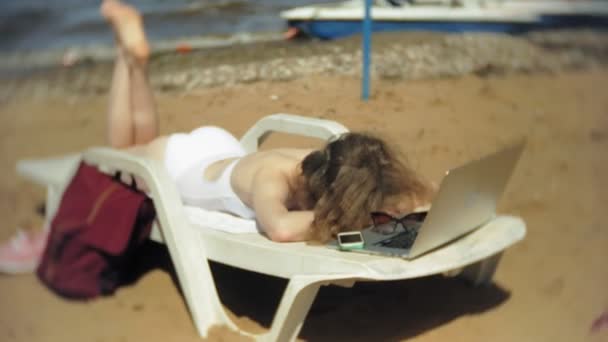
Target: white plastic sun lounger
<point>191,244</point>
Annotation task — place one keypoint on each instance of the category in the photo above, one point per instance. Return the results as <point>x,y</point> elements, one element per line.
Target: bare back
<point>264,181</point>
<point>278,165</point>
<point>267,182</point>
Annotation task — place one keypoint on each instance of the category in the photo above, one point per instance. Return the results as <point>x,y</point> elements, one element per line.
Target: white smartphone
<point>350,240</point>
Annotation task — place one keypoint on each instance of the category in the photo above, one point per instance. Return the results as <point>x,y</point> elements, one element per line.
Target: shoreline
<point>21,64</point>
<point>395,56</point>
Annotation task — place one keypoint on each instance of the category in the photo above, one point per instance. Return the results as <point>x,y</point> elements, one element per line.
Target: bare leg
<point>132,116</point>
<point>120,121</point>
<point>145,118</point>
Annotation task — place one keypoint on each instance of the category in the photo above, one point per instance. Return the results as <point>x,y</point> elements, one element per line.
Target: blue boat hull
<point>333,29</point>
<point>557,21</point>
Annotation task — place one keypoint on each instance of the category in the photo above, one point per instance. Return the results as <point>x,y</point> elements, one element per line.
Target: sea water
<point>34,25</point>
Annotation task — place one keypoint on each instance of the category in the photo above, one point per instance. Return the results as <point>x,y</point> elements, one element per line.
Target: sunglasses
<point>385,223</point>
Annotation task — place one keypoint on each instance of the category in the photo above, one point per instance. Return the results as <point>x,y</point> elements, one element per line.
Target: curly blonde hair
<point>353,175</point>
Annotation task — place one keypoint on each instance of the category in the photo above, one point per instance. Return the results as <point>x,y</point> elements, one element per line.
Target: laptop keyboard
<point>402,240</point>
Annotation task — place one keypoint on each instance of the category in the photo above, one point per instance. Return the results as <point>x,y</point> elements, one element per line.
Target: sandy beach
<point>549,287</point>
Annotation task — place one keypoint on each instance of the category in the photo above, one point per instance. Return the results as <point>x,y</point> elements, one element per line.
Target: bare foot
<point>128,27</point>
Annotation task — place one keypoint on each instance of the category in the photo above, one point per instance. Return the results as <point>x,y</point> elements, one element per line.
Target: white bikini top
<point>212,195</point>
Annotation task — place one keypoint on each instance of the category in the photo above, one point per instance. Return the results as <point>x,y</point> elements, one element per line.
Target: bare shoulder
<point>278,167</point>
<point>271,169</point>
<point>275,164</point>
<point>270,180</point>
<point>286,155</point>
<point>276,159</point>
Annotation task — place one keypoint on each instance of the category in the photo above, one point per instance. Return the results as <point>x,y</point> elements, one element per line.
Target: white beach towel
<point>220,221</point>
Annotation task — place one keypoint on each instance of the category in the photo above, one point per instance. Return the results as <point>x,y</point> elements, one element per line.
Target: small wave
<point>237,6</point>
<point>23,62</point>
<point>234,7</point>
<point>59,24</point>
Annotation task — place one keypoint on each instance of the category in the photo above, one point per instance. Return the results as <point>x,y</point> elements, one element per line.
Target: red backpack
<point>99,226</point>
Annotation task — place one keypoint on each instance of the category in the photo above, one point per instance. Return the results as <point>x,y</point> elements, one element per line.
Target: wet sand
<point>549,287</point>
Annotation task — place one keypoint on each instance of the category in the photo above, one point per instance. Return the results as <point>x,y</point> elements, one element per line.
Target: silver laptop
<point>466,200</point>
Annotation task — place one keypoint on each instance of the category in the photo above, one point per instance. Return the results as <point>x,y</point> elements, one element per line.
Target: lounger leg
<point>481,273</point>
<point>290,316</point>
<point>196,280</point>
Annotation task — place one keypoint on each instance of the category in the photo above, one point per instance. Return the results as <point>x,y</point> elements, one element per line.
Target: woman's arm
<point>270,192</point>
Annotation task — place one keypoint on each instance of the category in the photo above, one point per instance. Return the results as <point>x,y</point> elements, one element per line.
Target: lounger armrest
<point>292,124</point>
<point>109,159</point>
<point>175,230</point>
<point>52,172</point>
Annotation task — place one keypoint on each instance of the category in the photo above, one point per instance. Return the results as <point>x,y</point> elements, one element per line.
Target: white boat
<point>335,20</point>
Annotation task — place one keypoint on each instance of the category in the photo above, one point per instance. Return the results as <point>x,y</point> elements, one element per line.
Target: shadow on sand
<point>388,311</point>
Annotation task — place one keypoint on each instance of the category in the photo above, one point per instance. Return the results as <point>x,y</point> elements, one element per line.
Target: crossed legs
<point>132,117</point>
